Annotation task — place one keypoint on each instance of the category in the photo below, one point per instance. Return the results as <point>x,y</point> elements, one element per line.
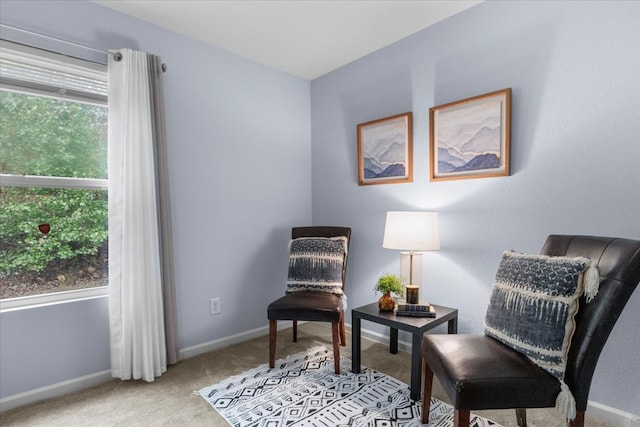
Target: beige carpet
<point>171,401</point>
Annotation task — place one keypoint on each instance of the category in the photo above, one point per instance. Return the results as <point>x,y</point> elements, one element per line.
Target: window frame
<point>33,181</point>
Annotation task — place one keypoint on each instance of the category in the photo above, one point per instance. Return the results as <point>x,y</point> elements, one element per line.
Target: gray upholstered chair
<point>480,372</point>
<point>312,305</point>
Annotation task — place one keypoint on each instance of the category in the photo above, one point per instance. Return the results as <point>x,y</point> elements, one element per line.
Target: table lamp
<point>411,232</point>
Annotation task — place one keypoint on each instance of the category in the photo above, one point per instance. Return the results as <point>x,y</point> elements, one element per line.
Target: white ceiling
<point>306,38</point>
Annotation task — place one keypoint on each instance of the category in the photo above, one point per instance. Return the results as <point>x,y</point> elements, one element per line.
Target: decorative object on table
<point>416,313</point>
<point>303,387</point>
<point>404,305</point>
<point>413,294</point>
<point>411,232</point>
<point>385,150</point>
<point>386,284</point>
<point>471,138</point>
<point>420,309</point>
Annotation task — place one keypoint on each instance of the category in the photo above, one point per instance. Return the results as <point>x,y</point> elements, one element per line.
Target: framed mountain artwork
<point>385,150</point>
<point>471,138</point>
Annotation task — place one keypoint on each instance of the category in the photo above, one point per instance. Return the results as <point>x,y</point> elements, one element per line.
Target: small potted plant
<point>388,283</point>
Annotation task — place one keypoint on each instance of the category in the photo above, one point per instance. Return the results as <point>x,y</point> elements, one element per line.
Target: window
<point>53,175</point>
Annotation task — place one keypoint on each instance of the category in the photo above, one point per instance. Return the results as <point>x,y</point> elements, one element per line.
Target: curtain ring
<point>117,56</point>
<point>164,68</point>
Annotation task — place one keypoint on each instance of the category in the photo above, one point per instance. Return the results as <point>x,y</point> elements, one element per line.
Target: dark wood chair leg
<point>335,333</point>
<point>295,331</point>
<point>343,332</point>
<point>273,333</point>
<point>521,417</point>
<point>427,383</point>
<point>461,418</point>
<point>578,421</point>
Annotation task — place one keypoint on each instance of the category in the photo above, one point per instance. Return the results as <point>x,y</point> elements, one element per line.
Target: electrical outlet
<point>214,306</point>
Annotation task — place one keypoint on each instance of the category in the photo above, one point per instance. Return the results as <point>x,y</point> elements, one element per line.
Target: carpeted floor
<point>172,400</point>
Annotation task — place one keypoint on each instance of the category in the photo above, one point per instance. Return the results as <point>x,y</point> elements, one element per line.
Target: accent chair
<point>315,285</point>
<point>481,372</point>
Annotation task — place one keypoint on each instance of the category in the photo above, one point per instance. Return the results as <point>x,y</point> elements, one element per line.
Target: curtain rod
<point>31,33</point>
<point>117,56</point>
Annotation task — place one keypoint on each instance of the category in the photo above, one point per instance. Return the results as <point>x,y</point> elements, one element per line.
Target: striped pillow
<point>315,264</point>
<point>532,309</point>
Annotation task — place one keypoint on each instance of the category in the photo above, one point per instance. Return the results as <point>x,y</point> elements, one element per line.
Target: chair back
<point>618,262</point>
<point>322,231</point>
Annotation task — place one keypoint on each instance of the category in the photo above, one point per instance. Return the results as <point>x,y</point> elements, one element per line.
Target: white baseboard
<point>384,339</point>
<point>596,410</point>
<point>196,350</point>
<point>54,390</point>
<point>612,416</point>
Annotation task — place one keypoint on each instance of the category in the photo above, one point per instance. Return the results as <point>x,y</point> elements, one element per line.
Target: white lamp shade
<point>411,231</point>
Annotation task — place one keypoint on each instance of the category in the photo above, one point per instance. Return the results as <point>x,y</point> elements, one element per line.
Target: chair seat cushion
<point>306,305</point>
<point>479,372</point>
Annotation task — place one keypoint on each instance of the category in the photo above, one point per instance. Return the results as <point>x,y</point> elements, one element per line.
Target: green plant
<point>390,283</point>
<point>78,220</point>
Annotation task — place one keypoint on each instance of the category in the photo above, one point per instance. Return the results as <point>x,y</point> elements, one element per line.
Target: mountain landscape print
<point>470,138</point>
<point>384,150</point>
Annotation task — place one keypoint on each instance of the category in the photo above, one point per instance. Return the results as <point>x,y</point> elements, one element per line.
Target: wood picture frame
<point>385,150</point>
<point>471,138</point>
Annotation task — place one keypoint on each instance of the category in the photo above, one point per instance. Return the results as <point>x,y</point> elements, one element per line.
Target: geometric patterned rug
<point>303,390</point>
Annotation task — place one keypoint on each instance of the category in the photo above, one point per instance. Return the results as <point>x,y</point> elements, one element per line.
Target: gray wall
<point>573,68</point>
<point>239,150</point>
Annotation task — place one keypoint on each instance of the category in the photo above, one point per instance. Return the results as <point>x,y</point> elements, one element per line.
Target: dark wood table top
<point>408,323</point>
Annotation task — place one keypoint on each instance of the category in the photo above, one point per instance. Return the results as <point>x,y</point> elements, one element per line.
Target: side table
<point>416,325</point>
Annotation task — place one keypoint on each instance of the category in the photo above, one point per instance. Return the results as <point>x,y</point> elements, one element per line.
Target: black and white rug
<point>303,390</point>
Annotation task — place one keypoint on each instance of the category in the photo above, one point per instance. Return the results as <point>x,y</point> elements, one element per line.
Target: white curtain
<point>141,302</point>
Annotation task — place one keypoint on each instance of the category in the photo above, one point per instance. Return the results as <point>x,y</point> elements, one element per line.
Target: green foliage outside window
<point>51,137</point>
<point>77,218</point>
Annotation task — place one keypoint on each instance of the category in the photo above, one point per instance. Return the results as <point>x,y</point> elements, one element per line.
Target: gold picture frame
<point>471,138</point>
<point>385,150</point>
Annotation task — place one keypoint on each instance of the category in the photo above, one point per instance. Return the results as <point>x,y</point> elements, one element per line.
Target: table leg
<point>416,365</point>
<point>453,326</point>
<point>355,344</point>
<point>393,341</point>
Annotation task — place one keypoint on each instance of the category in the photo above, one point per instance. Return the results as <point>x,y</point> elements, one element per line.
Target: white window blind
<point>25,69</point>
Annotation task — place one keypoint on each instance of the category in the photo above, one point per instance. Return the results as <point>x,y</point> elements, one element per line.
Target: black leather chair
<point>311,306</point>
<point>479,372</point>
